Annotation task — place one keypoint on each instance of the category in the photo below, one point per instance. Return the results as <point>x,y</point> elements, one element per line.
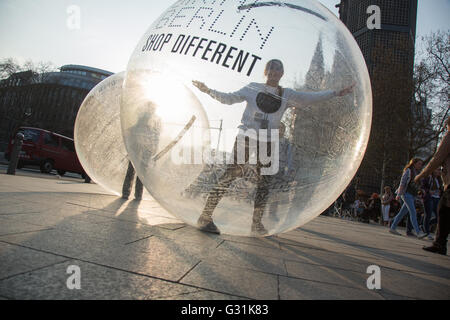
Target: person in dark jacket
<point>441,158</point>
<point>372,209</point>
<point>407,191</point>
<point>432,187</point>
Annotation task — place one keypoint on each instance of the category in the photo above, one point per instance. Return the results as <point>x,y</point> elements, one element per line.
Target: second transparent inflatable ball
<point>98,136</point>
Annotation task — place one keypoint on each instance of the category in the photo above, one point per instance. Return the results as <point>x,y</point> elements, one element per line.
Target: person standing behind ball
<point>266,104</point>
<point>432,187</point>
<point>407,191</point>
<point>441,158</point>
<point>386,200</point>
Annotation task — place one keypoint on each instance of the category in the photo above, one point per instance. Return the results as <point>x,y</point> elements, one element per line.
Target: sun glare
<point>170,97</point>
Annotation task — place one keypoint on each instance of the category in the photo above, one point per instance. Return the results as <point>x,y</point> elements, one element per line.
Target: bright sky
<point>109,30</point>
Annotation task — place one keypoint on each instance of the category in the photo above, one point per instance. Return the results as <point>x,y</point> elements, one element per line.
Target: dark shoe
<point>436,249</point>
<point>125,196</point>
<point>421,235</point>
<point>393,231</point>
<point>410,234</point>
<point>258,229</point>
<point>205,223</point>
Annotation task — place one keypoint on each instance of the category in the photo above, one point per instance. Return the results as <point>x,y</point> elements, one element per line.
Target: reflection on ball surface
<point>206,75</point>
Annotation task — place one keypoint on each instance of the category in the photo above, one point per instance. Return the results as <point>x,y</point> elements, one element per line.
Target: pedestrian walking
<point>386,200</point>
<point>407,191</point>
<point>441,158</point>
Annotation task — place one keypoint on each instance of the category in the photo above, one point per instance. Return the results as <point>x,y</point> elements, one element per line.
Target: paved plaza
<point>126,249</point>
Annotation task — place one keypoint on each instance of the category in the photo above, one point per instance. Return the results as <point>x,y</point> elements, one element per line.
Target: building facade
<point>49,101</point>
<point>389,54</point>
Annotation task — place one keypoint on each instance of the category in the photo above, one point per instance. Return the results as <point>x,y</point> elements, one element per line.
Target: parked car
<point>48,150</point>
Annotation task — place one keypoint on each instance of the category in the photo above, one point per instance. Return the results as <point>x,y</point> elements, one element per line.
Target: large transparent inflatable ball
<point>98,137</point>
<point>287,102</point>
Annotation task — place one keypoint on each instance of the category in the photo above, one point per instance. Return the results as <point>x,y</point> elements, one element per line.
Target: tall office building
<point>389,54</point>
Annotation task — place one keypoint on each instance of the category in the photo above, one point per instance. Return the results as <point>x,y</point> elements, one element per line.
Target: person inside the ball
<point>258,133</point>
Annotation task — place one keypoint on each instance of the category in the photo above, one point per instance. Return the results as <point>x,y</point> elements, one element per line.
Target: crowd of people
<point>421,202</point>
<point>384,208</point>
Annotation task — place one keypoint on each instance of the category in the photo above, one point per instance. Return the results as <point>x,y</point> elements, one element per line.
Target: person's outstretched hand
<point>418,178</point>
<point>346,91</point>
<point>201,86</point>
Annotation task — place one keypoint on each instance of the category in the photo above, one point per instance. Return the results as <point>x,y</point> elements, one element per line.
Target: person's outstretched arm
<point>438,159</point>
<point>307,98</point>
<point>222,97</point>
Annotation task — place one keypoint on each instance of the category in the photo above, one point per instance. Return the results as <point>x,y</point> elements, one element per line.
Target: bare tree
<point>9,66</point>
<point>431,90</point>
<point>422,128</point>
<point>410,108</point>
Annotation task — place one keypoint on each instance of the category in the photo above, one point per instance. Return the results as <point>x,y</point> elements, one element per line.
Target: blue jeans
<point>431,205</point>
<point>436,206</point>
<point>408,206</point>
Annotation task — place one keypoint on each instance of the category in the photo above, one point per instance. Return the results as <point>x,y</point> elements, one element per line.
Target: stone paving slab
<point>235,281</point>
<point>137,250</point>
<point>268,242</point>
<point>161,262</point>
<point>323,274</point>
<point>158,242</point>
<point>10,227</point>
<point>414,286</point>
<point>16,260</point>
<point>54,241</point>
<point>203,295</point>
<point>58,219</point>
<point>97,282</point>
<point>299,289</point>
<point>229,255</point>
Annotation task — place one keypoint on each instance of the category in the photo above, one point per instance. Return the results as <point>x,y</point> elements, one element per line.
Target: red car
<point>48,150</point>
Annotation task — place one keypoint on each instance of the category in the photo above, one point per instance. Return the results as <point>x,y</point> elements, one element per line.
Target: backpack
<point>412,188</point>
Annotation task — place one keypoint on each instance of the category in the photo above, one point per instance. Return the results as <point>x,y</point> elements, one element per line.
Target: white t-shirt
<point>251,119</point>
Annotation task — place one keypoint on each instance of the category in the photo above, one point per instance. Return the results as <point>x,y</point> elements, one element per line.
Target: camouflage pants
<point>234,171</point>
